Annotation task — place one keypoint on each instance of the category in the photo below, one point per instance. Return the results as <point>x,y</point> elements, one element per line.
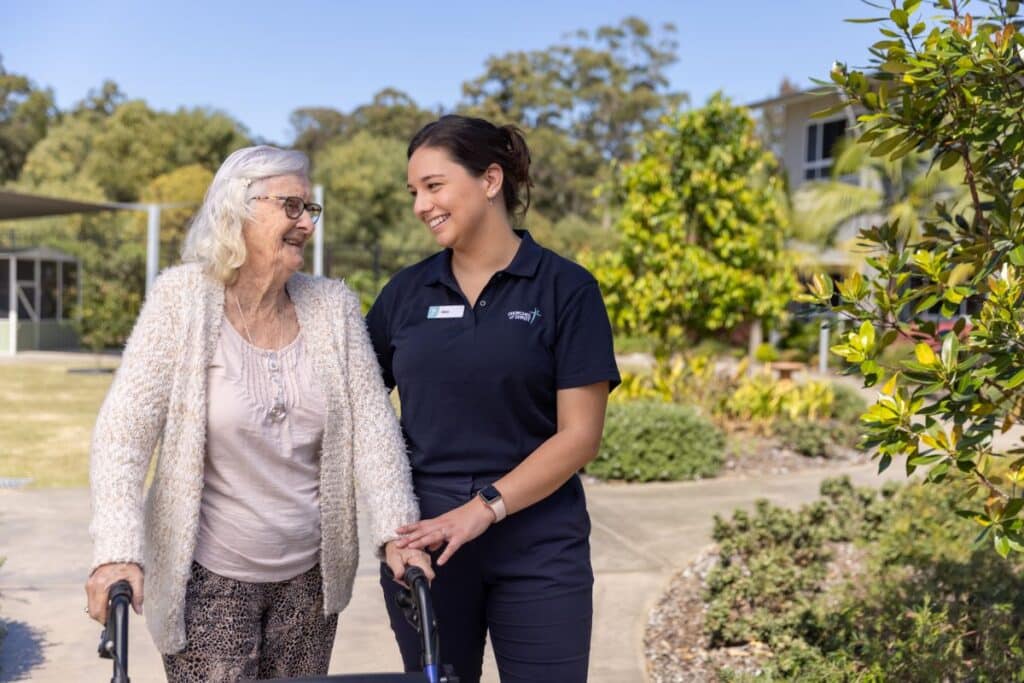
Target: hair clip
<point>246,182</point>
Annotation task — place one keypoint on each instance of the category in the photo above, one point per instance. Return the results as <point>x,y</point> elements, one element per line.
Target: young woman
<point>502,354</point>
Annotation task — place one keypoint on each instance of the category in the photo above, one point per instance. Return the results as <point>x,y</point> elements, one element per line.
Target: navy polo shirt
<point>478,384</point>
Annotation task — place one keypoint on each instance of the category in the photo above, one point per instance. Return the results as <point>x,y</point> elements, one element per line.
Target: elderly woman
<point>262,390</point>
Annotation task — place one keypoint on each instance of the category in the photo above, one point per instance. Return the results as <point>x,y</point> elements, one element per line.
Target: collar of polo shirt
<point>525,263</point>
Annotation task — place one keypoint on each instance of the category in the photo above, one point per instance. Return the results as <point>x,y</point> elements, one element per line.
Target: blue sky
<point>259,60</point>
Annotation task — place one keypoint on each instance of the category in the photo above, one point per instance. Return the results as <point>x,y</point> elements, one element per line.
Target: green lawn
<point>47,419</point>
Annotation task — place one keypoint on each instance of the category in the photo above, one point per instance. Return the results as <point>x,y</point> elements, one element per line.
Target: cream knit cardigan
<point>159,395</point>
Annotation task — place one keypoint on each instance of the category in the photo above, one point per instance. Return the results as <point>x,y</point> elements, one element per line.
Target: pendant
<point>278,410</point>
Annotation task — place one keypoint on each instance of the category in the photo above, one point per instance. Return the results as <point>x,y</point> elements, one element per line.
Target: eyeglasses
<point>294,206</point>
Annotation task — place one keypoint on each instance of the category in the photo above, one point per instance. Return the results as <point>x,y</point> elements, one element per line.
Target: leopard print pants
<point>239,630</point>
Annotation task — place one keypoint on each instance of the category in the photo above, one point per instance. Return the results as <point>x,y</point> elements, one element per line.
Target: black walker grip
<point>114,641</point>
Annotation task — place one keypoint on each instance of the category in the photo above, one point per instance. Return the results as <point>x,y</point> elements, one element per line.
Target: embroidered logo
<point>524,316</point>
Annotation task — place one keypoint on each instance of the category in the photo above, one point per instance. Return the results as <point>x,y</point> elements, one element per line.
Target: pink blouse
<point>259,519</point>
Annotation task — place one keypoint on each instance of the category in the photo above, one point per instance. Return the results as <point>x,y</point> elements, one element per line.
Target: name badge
<point>445,312</point>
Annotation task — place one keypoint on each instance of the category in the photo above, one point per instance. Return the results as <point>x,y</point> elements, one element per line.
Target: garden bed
<point>751,455</point>
<point>860,585</point>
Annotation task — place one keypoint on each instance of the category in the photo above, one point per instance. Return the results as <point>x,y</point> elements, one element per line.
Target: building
<point>39,296</point>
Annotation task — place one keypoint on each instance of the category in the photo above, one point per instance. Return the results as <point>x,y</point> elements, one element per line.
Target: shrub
<point>760,398</point>
<point>633,344</point>
<point>937,608</point>
<point>691,380</point>
<point>812,439</point>
<point>848,404</point>
<point>766,353</point>
<point>652,441</point>
<point>815,438</point>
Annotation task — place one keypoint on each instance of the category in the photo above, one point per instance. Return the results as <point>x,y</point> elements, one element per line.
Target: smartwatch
<point>491,497</point>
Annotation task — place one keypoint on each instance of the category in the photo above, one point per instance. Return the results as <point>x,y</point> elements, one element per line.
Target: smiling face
<point>447,198</point>
<point>274,243</point>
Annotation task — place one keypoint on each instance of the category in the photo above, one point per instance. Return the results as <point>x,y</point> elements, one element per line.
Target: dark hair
<point>475,144</point>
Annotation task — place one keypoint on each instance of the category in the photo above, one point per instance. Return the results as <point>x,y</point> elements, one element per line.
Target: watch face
<point>490,494</point>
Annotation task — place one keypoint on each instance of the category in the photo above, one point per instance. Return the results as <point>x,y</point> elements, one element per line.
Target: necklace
<point>278,411</point>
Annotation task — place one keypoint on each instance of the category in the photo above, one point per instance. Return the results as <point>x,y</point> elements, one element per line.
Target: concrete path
<point>641,535</point>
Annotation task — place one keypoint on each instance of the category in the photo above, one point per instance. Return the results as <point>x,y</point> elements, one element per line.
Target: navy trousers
<point>527,581</point>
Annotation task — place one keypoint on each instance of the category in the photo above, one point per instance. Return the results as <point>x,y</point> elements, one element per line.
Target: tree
<point>56,164</point>
<point>203,136</point>
<point>594,95</point>
<point>136,144</point>
<point>368,218</point>
<point>102,101</point>
<point>25,114</point>
<point>315,128</point>
<point>390,114</point>
<point>186,185</point>
<point>111,149</point>
<point>903,190</point>
<point>950,87</point>
<point>701,231</point>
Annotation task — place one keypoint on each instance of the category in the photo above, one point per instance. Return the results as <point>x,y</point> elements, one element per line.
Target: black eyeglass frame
<point>314,209</point>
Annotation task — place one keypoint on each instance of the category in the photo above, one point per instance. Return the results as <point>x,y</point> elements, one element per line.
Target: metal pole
<point>37,301</point>
<point>756,337</point>
<point>152,244</point>
<point>318,236</point>
<point>12,301</point>
<point>60,291</point>
<point>823,334</point>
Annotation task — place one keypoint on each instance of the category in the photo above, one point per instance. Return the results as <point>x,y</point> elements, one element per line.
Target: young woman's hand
<point>398,558</point>
<point>454,528</point>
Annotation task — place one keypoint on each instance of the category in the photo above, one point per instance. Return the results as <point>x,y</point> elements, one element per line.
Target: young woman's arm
<point>580,424</point>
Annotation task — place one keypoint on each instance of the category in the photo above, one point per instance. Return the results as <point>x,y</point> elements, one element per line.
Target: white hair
<point>215,237</point>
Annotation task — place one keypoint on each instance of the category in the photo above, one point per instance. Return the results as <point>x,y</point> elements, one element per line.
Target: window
<point>822,137</point>
<point>69,300</point>
<point>48,294</point>
<point>27,287</point>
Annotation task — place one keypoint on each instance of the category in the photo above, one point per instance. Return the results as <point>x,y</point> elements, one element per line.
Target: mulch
<point>753,455</point>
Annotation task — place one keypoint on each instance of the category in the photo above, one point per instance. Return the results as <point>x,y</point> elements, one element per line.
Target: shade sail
<point>20,205</point>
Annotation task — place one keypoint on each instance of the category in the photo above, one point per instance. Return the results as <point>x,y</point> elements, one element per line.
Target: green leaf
<point>889,144</point>
<point>938,473</point>
<point>1002,544</point>
<point>834,109</point>
<point>875,20</point>
<point>950,350</point>
<point>925,355</point>
<point>892,67</point>
<point>1015,381</point>
<point>1012,508</point>
<point>949,159</point>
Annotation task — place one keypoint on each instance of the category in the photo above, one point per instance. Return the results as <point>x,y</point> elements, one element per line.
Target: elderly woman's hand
<point>399,558</point>
<point>105,576</point>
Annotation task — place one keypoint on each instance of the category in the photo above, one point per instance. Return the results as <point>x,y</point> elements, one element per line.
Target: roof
<point>21,205</point>
<point>794,97</point>
<point>41,253</point>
